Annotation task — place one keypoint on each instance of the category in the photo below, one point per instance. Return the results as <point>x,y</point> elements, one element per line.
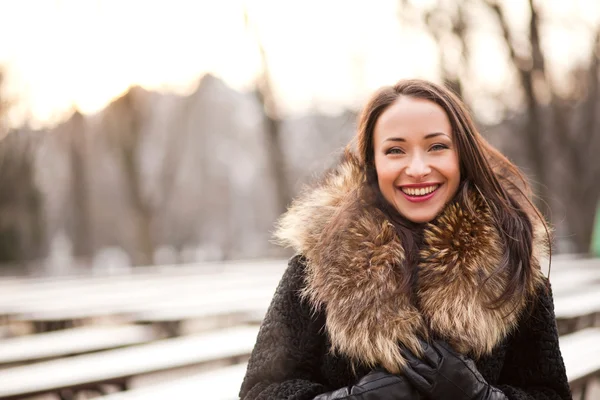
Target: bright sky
<point>324,53</point>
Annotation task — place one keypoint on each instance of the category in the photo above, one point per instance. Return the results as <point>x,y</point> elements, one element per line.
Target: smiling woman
<point>418,270</point>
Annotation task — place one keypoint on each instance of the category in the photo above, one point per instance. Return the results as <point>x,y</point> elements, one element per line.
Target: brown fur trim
<point>353,251</point>
<point>462,250</point>
<point>356,281</point>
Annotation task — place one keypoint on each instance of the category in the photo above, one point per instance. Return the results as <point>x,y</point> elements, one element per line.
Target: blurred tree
<point>4,105</point>
<point>448,27</point>
<point>596,235</point>
<point>82,230</point>
<point>124,119</point>
<point>21,214</point>
<point>561,133</point>
<point>127,122</point>
<point>272,122</point>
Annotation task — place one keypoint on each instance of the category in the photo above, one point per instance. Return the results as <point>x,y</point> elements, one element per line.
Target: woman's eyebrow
<point>435,134</point>
<point>428,136</point>
<point>395,139</point>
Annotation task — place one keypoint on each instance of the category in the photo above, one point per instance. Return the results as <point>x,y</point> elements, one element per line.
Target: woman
<point>418,270</point>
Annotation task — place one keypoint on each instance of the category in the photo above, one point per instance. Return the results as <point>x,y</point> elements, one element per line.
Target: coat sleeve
<point>533,367</point>
<point>285,361</point>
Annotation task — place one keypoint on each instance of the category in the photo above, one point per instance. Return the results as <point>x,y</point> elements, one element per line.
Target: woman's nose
<point>418,167</point>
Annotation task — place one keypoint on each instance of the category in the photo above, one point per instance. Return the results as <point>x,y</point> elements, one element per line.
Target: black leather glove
<point>445,374</point>
<point>376,385</point>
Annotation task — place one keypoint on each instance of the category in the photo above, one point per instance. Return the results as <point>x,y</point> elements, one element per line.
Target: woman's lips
<point>419,199</point>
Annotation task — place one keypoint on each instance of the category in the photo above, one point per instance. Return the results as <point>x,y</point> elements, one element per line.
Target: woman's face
<point>416,158</point>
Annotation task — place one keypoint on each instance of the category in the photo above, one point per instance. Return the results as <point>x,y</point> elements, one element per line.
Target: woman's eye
<point>394,150</point>
<point>438,147</point>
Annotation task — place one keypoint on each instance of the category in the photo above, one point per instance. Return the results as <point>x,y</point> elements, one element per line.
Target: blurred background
<point>138,136</point>
<point>140,133</point>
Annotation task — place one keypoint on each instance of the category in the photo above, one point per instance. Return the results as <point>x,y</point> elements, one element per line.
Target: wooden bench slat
<point>121,363</point>
<point>72,341</point>
<point>242,304</point>
<point>568,281</point>
<point>90,285</point>
<point>582,303</point>
<point>221,384</point>
<point>130,308</point>
<point>581,353</point>
<point>115,292</point>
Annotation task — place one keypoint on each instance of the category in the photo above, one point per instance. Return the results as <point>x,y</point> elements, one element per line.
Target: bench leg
<point>171,328</point>
<point>101,389</point>
<point>123,386</point>
<point>109,388</point>
<point>66,394</point>
<point>39,327</point>
<point>583,392</point>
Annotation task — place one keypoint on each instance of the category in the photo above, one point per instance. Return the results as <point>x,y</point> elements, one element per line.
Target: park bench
<point>31,286</point>
<point>562,262</point>
<point>123,301</point>
<point>219,384</point>
<point>578,310</point>
<point>581,354</point>
<point>13,289</point>
<point>568,281</point>
<point>44,346</point>
<point>99,287</point>
<point>68,376</point>
<point>580,350</point>
<point>177,317</point>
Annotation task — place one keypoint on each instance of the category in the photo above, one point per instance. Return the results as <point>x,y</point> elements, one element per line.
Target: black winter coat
<point>342,309</point>
<point>291,359</point>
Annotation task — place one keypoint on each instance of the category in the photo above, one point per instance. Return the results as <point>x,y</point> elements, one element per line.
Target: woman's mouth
<point>418,194</point>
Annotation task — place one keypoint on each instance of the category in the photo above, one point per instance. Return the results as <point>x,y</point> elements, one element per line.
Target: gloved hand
<point>376,385</point>
<point>443,373</point>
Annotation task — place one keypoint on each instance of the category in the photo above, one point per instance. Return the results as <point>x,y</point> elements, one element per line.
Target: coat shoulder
<point>533,358</point>
<point>289,347</point>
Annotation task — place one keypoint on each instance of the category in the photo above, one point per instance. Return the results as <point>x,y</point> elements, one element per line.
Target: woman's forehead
<point>411,118</point>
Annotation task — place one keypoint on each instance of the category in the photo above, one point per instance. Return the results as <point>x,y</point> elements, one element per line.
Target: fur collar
<point>352,250</point>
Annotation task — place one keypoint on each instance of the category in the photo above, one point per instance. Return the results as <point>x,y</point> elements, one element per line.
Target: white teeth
<point>420,191</point>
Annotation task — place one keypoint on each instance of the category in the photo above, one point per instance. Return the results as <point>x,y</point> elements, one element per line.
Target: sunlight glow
<point>328,54</point>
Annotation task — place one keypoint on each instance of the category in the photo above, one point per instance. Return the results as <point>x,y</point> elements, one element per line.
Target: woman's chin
<point>422,216</point>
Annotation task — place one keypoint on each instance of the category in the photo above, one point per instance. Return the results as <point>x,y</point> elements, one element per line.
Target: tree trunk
<point>142,216</point>
<point>272,125</point>
<point>82,231</point>
<point>580,218</point>
<point>276,160</point>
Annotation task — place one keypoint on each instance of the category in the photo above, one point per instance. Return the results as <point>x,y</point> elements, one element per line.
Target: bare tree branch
<point>265,95</point>
<point>432,18</point>
<point>82,231</point>
<point>125,131</point>
<point>527,71</point>
<point>591,125</point>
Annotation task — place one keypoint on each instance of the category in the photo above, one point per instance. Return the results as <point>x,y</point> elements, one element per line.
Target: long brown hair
<point>482,168</point>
